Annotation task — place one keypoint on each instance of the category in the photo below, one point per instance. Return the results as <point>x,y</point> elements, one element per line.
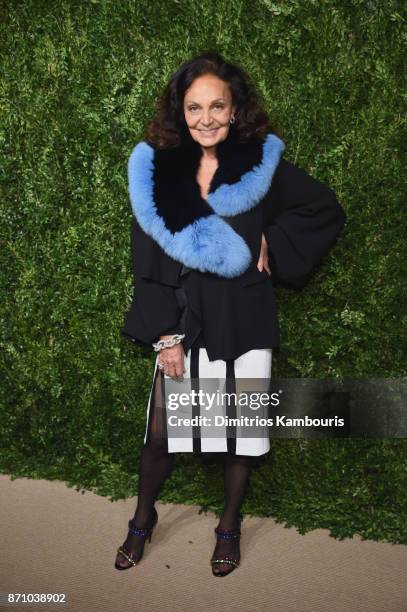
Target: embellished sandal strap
<point>227,534</point>
<point>229,560</point>
<point>143,531</point>
<point>139,531</point>
<point>126,555</point>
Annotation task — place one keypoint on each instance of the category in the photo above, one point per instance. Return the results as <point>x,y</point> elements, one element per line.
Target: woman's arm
<point>302,220</point>
<point>154,311</point>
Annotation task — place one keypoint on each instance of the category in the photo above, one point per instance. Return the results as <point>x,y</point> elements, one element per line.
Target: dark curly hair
<point>168,127</point>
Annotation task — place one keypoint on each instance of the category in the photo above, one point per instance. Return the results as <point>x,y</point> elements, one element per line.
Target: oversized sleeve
<point>302,220</point>
<point>155,310</point>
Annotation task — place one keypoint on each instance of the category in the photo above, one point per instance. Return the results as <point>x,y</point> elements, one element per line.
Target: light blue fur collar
<point>166,201</point>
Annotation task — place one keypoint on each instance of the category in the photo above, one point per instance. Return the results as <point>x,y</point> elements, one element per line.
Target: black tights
<point>156,464</point>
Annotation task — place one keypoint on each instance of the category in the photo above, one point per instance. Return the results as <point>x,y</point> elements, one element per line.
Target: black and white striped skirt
<point>183,428</point>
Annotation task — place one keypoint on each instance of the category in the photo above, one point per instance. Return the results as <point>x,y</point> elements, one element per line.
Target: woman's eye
<point>194,108</point>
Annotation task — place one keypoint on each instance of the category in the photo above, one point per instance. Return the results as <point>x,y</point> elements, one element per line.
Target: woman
<point>219,218</point>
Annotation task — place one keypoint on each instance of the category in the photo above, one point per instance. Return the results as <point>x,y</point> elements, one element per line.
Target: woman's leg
<point>154,468</point>
<point>236,475</point>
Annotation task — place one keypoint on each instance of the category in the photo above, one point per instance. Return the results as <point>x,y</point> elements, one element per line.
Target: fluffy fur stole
<point>167,202</point>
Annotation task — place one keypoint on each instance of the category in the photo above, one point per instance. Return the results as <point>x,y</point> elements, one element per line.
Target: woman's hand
<point>173,359</point>
<point>264,256</point>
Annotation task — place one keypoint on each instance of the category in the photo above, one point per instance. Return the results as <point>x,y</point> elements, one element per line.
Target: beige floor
<point>281,571</point>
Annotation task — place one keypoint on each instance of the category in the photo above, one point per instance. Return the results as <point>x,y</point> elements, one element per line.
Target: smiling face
<point>207,109</point>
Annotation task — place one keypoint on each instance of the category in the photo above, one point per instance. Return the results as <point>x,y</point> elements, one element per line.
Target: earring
<point>232,119</point>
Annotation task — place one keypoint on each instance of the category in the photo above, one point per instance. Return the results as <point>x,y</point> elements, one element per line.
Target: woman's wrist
<point>168,341</point>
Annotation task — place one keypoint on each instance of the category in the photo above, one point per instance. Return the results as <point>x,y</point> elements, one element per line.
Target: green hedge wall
<point>79,82</point>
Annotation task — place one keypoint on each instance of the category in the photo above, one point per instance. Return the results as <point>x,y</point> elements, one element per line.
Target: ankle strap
<point>143,531</point>
<point>138,530</point>
<point>227,534</point>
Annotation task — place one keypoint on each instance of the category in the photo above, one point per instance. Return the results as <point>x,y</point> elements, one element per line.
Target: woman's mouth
<point>207,133</point>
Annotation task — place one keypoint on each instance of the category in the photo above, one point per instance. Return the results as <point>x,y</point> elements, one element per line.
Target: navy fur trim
<point>229,200</point>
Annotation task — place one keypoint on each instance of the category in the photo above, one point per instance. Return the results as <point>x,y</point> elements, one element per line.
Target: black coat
<point>195,262</point>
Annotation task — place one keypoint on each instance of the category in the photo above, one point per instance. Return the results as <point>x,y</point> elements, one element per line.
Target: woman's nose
<point>206,117</point>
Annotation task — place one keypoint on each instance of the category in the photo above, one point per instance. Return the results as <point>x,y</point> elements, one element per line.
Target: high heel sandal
<point>146,532</point>
<point>226,534</point>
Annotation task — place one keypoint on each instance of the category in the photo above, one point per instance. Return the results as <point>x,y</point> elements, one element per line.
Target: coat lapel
<point>166,199</point>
